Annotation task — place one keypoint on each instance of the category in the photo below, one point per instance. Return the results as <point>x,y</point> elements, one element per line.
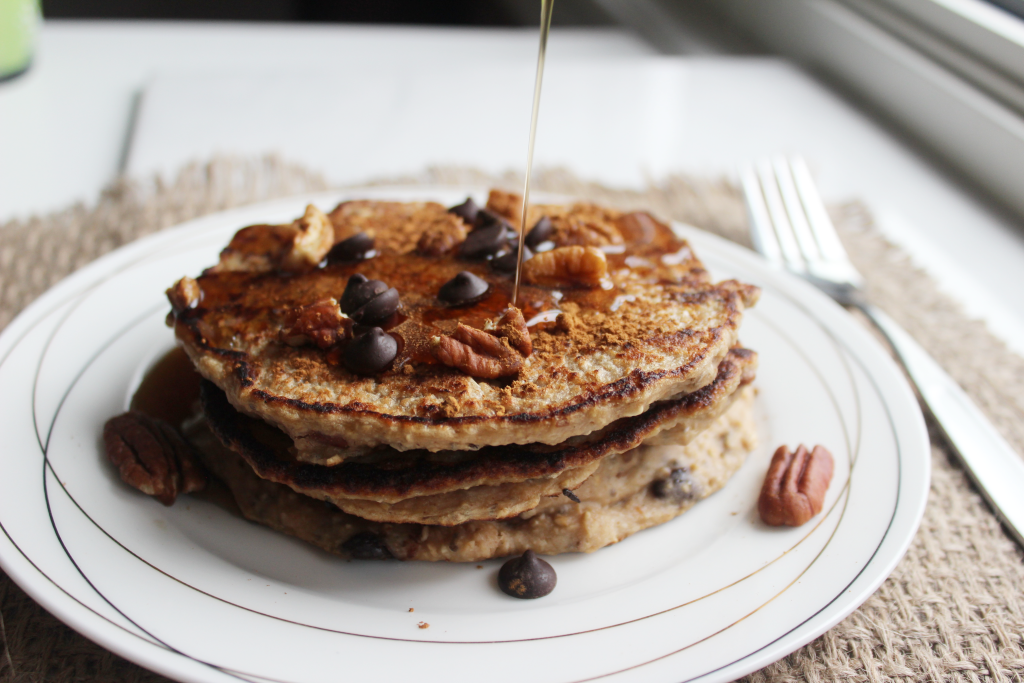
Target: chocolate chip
<point>508,261</point>
<point>539,232</point>
<point>483,242</point>
<point>527,577</point>
<point>485,218</point>
<point>370,353</point>
<point>359,291</point>
<point>679,486</point>
<point>367,546</point>
<point>467,210</point>
<point>378,309</point>
<point>355,248</point>
<point>464,288</point>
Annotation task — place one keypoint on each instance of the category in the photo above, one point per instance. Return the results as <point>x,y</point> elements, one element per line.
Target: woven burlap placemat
<point>954,608</point>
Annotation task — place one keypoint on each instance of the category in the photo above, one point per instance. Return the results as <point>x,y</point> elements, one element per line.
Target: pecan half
<point>477,353</point>
<point>184,294</point>
<point>319,323</point>
<point>152,456</point>
<point>794,488</point>
<point>296,246</point>
<point>567,266</point>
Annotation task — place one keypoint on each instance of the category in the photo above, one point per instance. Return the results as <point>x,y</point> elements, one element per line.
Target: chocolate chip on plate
<point>354,248</point>
<point>527,577</point>
<point>367,546</point>
<point>678,486</point>
<point>540,232</point>
<point>371,352</point>
<point>508,261</point>
<point>464,288</point>
<point>467,210</point>
<point>483,242</point>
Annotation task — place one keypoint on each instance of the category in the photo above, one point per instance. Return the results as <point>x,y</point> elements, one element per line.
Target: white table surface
<point>383,101</point>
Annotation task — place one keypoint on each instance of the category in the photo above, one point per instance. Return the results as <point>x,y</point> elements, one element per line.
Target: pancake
<point>620,499</point>
<point>654,328</point>
<point>452,487</point>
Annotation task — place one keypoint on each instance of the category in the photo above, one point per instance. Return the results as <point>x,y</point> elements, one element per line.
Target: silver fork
<point>791,228</point>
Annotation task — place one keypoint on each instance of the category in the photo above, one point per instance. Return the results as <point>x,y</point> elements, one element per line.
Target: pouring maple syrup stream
<point>545,26</point>
<point>170,389</point>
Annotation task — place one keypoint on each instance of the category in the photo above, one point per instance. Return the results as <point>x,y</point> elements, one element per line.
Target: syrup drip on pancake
<point>546,7</point>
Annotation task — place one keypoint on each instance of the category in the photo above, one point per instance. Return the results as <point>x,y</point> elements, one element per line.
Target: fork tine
<point>780,220</point>
<point>797,219</point>
<point>761,230</point>
<point>820,223</point>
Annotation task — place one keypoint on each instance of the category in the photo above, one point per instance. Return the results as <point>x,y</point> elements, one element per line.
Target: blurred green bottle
<point>19,23</point>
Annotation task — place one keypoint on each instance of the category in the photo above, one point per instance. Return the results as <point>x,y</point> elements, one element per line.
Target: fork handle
<point>995,468</point>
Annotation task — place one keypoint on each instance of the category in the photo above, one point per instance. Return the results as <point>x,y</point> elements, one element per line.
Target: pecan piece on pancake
<point>506,204</point>
<point>567,266</point>
<point>586,225</point>
<point>319,323</point>
<point>513,327</point>
<point>296,246</point>
<point>487,355</point>
<point>794,488</point>
<point>152,456</point>
<point>184,294</point>
<point>441,236</point>
<point>577,225</point>
<point>314,238</point>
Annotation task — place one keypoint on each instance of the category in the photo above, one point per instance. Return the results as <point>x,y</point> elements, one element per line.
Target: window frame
<point>948,73</point>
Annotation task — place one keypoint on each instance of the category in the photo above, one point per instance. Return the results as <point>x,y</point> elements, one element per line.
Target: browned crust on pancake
<point>383,480</point>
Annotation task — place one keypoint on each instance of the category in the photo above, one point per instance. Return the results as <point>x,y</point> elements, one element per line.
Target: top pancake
<point>655,328</point>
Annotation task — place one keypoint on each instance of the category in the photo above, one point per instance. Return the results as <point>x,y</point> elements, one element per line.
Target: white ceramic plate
<point>199,595</point>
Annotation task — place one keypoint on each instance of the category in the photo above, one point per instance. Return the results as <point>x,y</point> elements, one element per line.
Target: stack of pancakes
<point>634,400</point>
